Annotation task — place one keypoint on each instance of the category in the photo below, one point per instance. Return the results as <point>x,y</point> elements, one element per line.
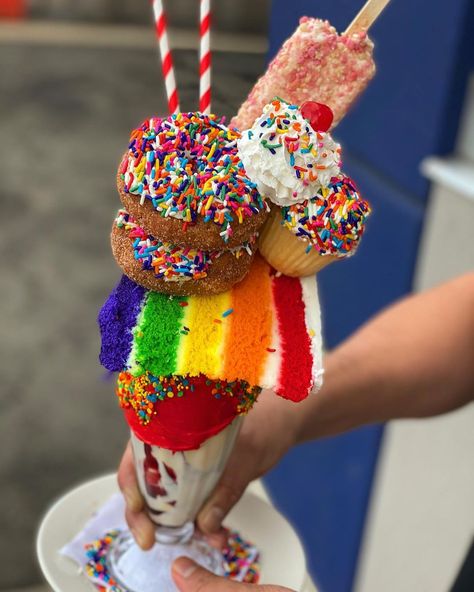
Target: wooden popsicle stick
<point>366,16</point>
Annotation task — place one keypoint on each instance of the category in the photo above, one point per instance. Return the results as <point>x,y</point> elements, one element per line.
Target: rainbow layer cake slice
<point>265,331</point>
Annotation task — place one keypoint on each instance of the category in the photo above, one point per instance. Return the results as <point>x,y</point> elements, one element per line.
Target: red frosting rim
<point>185,422</point>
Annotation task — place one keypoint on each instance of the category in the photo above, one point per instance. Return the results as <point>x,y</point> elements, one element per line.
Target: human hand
<point>190,577</point>
<point>267,433</point>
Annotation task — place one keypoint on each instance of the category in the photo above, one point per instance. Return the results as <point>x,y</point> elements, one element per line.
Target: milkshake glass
<point>174,485</point>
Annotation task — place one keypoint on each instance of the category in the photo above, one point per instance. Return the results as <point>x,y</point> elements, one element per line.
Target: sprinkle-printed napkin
<point>89,548</point>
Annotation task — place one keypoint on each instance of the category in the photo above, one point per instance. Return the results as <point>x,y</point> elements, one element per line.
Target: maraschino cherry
<point>319,116</point>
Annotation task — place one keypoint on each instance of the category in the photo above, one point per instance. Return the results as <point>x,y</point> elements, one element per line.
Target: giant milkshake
<point>196,327</point>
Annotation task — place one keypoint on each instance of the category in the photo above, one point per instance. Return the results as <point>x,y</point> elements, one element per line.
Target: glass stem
<point>174,535</point>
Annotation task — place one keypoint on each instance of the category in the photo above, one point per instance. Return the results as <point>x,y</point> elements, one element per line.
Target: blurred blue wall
<point>424,51</point>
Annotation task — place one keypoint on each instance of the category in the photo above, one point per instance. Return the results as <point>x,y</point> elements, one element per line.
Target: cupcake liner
<point>286,252</point>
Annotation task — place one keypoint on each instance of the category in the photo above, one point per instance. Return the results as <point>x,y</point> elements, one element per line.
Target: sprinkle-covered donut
<point>173,269</point>
<point>183,180</point>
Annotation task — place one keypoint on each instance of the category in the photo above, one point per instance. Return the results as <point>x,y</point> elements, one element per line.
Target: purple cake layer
<point>116,319</point>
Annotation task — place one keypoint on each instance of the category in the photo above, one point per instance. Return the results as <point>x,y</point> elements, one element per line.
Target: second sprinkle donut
<point>174,269</point>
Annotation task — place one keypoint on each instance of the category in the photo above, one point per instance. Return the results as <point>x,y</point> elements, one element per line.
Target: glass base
<point>136,570</point>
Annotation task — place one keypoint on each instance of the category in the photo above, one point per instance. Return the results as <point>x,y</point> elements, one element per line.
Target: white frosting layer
<point>287,159</point>
<point>312,313</point>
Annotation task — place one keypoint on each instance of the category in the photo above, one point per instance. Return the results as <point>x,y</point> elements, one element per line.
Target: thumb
<point>225,495</point>
<point>191,577</point>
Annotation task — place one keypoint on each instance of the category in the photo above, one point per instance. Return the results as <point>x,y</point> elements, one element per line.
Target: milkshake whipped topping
<point>285,157</point>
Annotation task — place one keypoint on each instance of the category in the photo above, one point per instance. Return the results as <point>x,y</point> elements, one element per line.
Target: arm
<point>412,360</point>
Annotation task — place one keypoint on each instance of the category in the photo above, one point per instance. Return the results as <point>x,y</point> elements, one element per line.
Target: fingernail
<point>212,519</point>
<point>184,566</point>
<point>133,499</point>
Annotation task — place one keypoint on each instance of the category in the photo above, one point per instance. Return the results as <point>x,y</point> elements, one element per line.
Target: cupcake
<point>317,215</point>
<point>303,238</point>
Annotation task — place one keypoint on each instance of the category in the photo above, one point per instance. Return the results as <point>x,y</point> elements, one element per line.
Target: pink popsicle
<point>317,64</point>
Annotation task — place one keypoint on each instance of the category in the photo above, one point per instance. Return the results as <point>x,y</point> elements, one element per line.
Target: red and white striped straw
<point>161,28</point>
<point>205,58</point>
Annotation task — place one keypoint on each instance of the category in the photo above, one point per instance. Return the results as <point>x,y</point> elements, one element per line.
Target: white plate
<point>282,556</point>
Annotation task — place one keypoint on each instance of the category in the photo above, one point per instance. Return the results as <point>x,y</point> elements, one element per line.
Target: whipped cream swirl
<point>285,157</point>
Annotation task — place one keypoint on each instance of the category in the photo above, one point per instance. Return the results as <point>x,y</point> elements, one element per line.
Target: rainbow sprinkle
<point>171,262</point>
<point>144,393</point>
<point>187,165</point>
<point>333,221</point>
<point>241,561</point>
<point>96,567</point>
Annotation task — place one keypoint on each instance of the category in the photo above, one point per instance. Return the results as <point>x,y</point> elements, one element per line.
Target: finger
<point>141,527</point>
<point>218,539</point>
<point>127,481</point>
<point>230,488</point>
<point>190,577</point>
